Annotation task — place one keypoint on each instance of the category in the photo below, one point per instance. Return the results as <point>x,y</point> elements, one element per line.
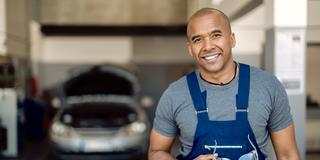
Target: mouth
<point>211,56</point>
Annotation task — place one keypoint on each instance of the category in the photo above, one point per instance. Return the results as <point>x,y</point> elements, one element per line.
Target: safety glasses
<point>253,155</point>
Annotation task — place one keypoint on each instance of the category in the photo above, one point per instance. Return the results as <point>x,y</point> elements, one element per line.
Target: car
<point>100,116</point>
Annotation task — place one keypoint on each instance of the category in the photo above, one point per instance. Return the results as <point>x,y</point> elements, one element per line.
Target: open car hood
<point>98,115</point>
<point>99,81</point>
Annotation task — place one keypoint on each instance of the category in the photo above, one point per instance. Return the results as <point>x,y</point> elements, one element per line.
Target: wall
<point>112,12</point>
<point>3,48</point>
<point>17,29</point>
<point>313,27</point>
<point>160,49</point>
<point>58,54</point>
<point>250,37</point>
<point>313,72</point>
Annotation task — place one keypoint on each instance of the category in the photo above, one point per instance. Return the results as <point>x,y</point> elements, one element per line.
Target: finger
<point>215,156</point>
<point>207,157</point>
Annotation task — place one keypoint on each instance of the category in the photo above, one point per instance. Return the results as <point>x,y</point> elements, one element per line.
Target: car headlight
<point>138,127</point>
<point>60,130</point>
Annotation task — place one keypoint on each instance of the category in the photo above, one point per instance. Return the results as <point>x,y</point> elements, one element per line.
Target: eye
<point>215,35</point>
<point>196,40</point>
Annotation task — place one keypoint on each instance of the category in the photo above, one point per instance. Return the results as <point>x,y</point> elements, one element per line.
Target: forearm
<point>292,156</point>
<point>284,144</point>
<point>289,158</point>
<point>160,155</point>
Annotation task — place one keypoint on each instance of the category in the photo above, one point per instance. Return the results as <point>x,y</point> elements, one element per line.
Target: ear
<point>233,40</point>
<point>189,49</point>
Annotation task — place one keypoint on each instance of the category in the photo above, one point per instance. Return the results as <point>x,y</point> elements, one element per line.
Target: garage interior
<point>42,41</point>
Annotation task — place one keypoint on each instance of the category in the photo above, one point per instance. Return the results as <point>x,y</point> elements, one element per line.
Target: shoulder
<point>177,87</point>
<point>176,95</point>
<point>264,78</point>
<point>265,85</point>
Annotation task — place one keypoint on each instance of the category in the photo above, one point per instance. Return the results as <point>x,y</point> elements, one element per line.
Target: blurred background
<point>46,43</point>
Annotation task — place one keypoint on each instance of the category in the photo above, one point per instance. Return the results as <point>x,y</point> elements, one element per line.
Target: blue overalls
<point>232,139</point>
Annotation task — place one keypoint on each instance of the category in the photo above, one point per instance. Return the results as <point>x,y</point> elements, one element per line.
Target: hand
<point>207,157</point>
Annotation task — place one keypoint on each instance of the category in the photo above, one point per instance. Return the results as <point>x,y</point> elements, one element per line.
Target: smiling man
<point>224,109</point>
<point>210,42</point>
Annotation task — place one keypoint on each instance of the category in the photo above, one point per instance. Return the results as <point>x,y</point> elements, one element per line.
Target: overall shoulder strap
<point>198,98</point>
<point>242,98</point>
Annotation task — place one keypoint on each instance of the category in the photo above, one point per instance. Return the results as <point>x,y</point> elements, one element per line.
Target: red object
<point>34,87</point>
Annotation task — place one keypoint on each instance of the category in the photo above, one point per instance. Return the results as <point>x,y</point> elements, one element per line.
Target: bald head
<point>209,11</point>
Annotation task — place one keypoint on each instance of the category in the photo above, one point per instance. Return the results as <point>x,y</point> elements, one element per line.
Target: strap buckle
<point>202,111</point>
<point>241,110</point>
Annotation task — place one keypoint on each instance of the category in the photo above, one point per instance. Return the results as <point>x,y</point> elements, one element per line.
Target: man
<point>225,109</point>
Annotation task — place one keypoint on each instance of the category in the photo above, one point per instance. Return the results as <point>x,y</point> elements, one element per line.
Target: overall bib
<point>232,139</point>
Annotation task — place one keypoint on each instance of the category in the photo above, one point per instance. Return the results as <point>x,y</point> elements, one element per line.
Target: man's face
<point>210,42</point>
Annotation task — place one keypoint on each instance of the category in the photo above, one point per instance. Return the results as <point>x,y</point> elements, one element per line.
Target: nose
<point>207,45</point>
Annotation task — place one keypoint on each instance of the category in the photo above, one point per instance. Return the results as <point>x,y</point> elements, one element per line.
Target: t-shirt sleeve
<point>164,122</point>
<point>280,117</point>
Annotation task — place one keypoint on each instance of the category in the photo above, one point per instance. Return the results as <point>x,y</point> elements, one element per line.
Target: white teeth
<point>211,57</point>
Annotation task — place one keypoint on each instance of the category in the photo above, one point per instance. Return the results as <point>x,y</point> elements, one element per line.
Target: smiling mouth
<point>210,57</point>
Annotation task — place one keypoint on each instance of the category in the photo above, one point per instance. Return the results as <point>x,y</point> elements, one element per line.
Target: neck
<point>221,78</point>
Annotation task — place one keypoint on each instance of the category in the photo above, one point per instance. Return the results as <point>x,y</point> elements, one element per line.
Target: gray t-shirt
<point>269,109</point>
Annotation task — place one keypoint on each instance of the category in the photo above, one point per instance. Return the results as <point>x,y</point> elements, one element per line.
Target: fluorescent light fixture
<point>216,2</point>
